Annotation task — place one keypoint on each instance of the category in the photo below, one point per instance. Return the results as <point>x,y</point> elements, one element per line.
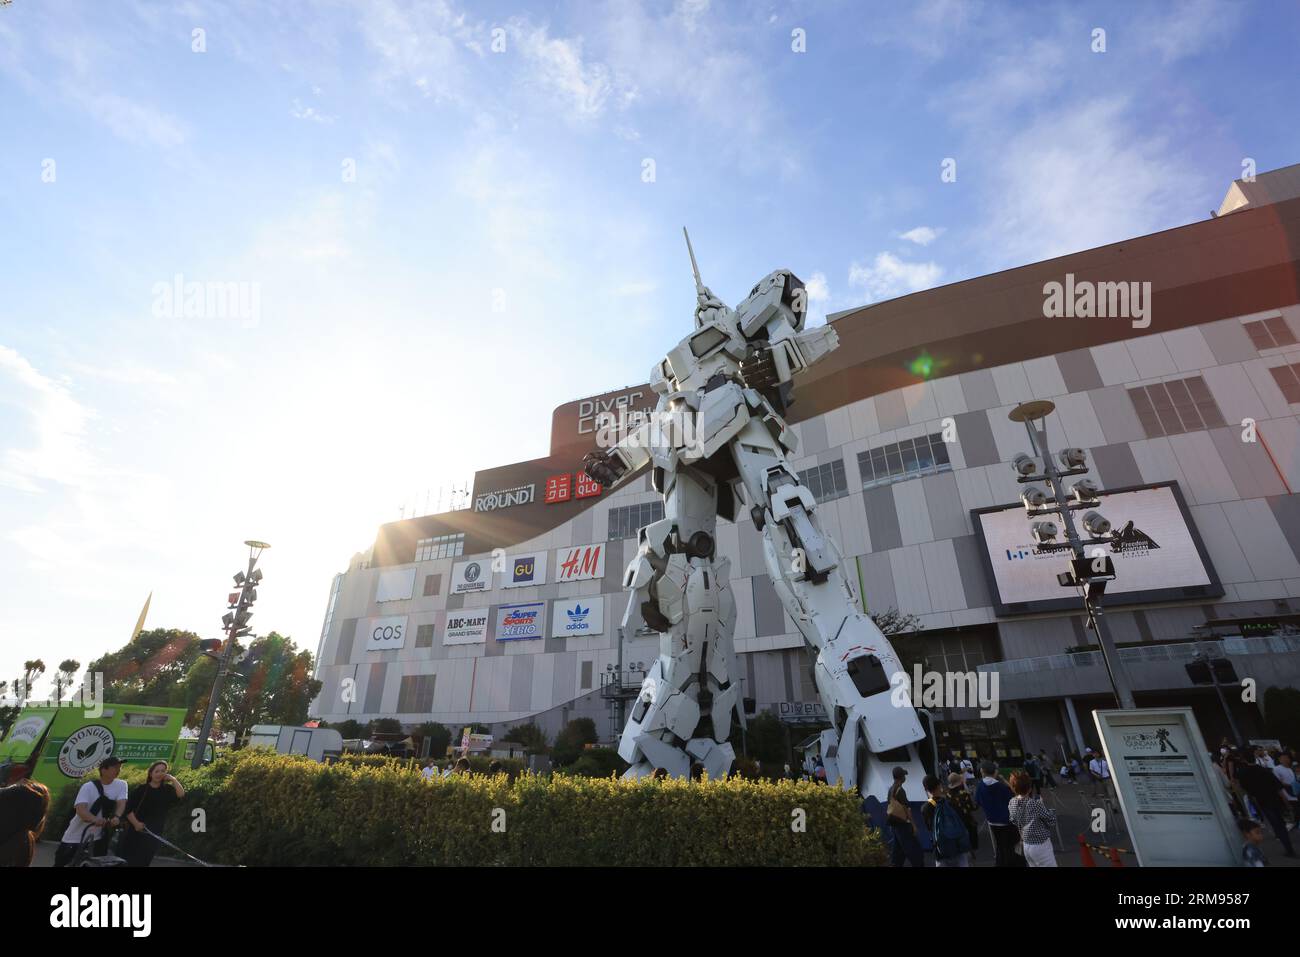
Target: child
<point>1253,832</point>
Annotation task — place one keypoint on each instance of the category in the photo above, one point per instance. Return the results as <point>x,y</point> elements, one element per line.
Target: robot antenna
<point>699,285</point>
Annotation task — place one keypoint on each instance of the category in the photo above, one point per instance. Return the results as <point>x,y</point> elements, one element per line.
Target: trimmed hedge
<point>262,808</point>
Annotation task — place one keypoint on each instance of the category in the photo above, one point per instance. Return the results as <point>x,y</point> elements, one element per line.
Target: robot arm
<point>784,356</point>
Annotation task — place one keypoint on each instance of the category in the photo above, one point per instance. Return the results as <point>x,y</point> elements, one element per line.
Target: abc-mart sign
<point>491,501</point>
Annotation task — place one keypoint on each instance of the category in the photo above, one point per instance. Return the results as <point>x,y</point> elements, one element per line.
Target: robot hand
<point>708,306</point>
<point>604,467</point>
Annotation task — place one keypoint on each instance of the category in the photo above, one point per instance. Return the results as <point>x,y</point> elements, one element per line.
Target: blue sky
<point>501,248</point>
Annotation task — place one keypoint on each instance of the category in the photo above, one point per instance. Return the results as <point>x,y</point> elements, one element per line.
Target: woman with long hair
<point>146,810</point>
<point>23,809</point>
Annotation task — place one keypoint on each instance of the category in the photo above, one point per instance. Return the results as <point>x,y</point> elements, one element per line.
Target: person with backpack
<point>947,830</point>
<point>1035,772</point>
<point>1034,820</point>
<point>961,799</point>
<point>993,795</point>
<point>98,806</point>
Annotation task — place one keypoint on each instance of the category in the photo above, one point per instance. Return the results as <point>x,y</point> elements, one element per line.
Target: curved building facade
<point>1173,359</point>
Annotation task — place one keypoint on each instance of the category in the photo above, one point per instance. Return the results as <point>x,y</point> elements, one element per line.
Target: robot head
<point>779,294</point>
<point>708,307</point>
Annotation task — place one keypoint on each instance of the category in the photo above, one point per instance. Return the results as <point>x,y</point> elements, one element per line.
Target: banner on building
<point>580,563</point>
<point>467,577</point>
<point>578,617</point>
<point>527,569</point>
<point>395,584</point>
<point>521,622</point>
<point>385,634</point>
<point>466,626</point>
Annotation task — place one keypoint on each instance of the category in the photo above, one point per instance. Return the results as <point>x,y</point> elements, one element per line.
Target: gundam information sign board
<point>521,622</point>
<point>578,617</point>
<point>580,563</point>
<point>1172,800</point>
<point>469,577</point>
<point>385,634</point>
<point>528,569</point>
<point>466,627</point>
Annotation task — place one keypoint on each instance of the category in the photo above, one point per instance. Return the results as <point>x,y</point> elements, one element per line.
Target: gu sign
<point>490,501</point>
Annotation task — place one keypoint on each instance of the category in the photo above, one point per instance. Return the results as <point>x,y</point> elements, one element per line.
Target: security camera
<point>1033,497</point>
<point>1096,524</point>
<point>1086,492</point>
<point>1073,458</point>
<point>1023,464</point>
<point>1044,532</point>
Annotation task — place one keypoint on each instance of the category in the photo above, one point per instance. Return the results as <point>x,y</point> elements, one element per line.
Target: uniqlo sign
<point>587,486</point>
<point>559,488</point>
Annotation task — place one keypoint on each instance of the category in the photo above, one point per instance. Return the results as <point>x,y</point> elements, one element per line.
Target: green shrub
<point>262,808</point>
<point>597,763</point>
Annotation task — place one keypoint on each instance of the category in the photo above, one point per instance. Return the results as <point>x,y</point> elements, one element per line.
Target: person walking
<point>943,821</point>
<point>1285,775</point>
<point>1046,765</point>
<point>993,795</point>
<point>1100,771</point>
<point>1266,792</point>
<point>898,818</point>
<point>1034,820</point>
<point>146,810</point>
<point>98,806</point>
<point>1035,772</point>
<point>23,809</point>
<point>962,800</point>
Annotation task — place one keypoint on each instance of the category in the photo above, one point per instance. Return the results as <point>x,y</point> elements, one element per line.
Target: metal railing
<point>1180,652</point>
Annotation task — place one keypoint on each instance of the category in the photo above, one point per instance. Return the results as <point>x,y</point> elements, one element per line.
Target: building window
<point>415,696</point>
<point>627,521</point>
<point>1288,380</point>
<point>585,684</point>
<point>1171,408</point>
<point>432,585</point>
<point>1270,333</point>
<point>424,636</point>
<point>827,481</point>
<point>924,455</point>
<point>440,546</point>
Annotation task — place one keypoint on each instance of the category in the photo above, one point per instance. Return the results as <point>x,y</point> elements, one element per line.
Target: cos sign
<point>385,634</point>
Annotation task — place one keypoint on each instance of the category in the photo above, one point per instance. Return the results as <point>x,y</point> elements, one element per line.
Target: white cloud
<point>57,453</point>
<point>300,112</point>
<point>888,277</point>
<point>922,235</point>
<point>557,67</point>
<point>818,289</point>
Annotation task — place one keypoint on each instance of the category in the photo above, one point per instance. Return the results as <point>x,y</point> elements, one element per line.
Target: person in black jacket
<point>147,807</point>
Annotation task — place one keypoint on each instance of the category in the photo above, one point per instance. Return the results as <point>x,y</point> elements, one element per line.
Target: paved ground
<point>45,857</point>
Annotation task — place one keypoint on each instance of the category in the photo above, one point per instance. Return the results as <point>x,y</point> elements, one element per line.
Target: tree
<point>437,735</point>
<point>572,739</point>
<point>277,687</point>
<point>765,736</point>
<point>31,671</point>
<point>529,735</point>
<point>348,730</point>
<point>67,672</point>
<point>891,621</point>
<point>161,667</point>
<point>383,726</point>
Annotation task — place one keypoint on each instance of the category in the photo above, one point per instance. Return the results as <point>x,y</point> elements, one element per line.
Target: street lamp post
<point>235,624</point>
<point>1090,574</point>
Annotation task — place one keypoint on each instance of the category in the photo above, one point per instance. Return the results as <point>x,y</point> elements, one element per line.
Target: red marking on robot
<point>845,656</point>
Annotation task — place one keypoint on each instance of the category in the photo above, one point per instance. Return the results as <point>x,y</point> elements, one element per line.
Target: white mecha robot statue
<point>717,445</point>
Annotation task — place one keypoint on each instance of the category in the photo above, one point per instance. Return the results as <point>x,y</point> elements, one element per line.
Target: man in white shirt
<point>98,804</point>
<point>1286,777</point>
<point>1101,772</point>
<point>429,771</point>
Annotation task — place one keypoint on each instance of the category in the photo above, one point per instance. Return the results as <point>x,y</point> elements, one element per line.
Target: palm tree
<point>31,671</point>
<point>64,677</point>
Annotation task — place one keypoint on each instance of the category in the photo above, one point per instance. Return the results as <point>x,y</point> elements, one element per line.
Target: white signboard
<point>1159,552</point>
<point>472,576</point>
<point>491,501</point>
<point>384,634</point>
<point>395,584</point>
<point>466,626</point>
<point>1173,802</point>
<point>521,622</point>
<point>578,617</point>
<point>527,569</point>
<point>580,563</point>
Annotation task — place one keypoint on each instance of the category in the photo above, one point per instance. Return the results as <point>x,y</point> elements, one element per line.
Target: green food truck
<point>57,746</point>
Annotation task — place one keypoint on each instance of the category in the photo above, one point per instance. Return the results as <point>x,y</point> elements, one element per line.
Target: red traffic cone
<point>1085,853</point>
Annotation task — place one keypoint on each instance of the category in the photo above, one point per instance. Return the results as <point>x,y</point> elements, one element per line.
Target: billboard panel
<point>385,634</point>
<point>526,569</point>
<point>1159,557</point>
<point>578,617</point>
<point>580,563</point>
<point>522,622</point>
<point>466,626</point>
<point>467,577</point>
<point>395,584</point>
